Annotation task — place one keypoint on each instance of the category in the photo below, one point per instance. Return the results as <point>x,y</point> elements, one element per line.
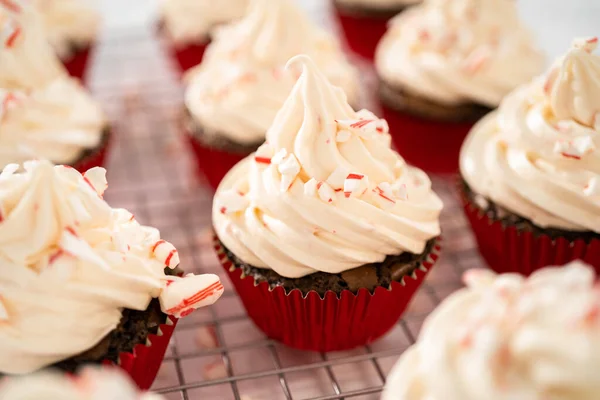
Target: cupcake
<point>531,170</point>
<point>45,113</point>
<point>443,65</point>
<point>72,27</point>
<point>89,384</point>
<point>233,96</point>
<point>508,337</point>
<point>83,282</point>
<point>325,232</point>
<point>364,22</point>
<point>187,24</point>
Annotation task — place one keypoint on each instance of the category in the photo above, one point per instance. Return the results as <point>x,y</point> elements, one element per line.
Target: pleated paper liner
<point>362,32</point>
<point>433,146</point>
<point>508,249</point>
<point>77,65</point>
<point>97,157</point>
<point>326,324</point>
<point>211,163</point>
<point>143,363</point>
<point>186,56</point>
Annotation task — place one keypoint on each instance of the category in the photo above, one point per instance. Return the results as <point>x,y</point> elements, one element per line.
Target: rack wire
<point>217,353</point>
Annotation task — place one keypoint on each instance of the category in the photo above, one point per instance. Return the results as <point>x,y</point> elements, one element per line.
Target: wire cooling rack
<point>217,353</point>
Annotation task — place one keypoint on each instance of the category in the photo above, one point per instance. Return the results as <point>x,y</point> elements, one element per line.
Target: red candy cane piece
<point>326,193</point>
<point>96,178</point>
<point>355,184</point>
<point>186,294</point>
<point>166,252</point>
<point>264,154</point>
<point>231,201</point>
<point>289,168</point>
<point>310,187</point>
<point>11,5</point>
<point>576,148</point>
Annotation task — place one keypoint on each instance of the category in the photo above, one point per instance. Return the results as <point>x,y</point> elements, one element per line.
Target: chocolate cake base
<point>496,212</point>
<point>216,140</point>
<point>87,153</point>
<point>364,10</point>
<point>404,101</point>
<point>368,276</point>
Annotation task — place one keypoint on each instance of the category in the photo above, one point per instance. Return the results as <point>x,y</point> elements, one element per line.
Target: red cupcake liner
<point>324,324</point>
<point>143,363</point>
<point>362,33</point>
<point>188,56</point>
<point>97,159</point>
<point>433,146</point>
<point>212,164</point>
<point>506,249</point>
<point>77,64</point>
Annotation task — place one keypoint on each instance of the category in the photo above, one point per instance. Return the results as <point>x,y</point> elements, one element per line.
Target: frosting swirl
<point>69,24</point>
<point>458,51</point>
<point>241,83</point>
<point>190,21</point>
<point>71,261</point>
<point>89,384</point>
<point>44,113</point>
<point>508,337</point>
<point>325,192</point>
<point>539,155</point>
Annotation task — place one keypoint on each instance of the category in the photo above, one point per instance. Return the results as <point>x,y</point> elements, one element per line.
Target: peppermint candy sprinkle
<point>592,188</point>
<point>326,193</point>
<point>364,127</point>
<point>355,185</point>
<point>166,253</point>
<point>10,33</point>
<point>182,296</point>
<point>289,167</point>
<point>576,148</point>
<point>10,5</point>
<point>263,154</point>
<point>8,100</point>
<point>587,44</point>
<point>232,201</point>
<point>385,195</point>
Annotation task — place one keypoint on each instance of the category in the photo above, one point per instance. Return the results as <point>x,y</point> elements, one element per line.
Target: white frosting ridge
<point>44,113</point>
<point>458,51</point>
<point>539,155</point>
<point>69,23</point>
<point>325,192</point>
<point>71,263</point>
<point>508,337</point>
<point>191,21</point>
<point>241,83</point>
<point>89,384</point>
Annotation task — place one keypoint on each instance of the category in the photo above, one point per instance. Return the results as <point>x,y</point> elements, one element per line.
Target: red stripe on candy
<point>157,244</point>
<point>263,160</point>
<point>355,176</point>
<point>11,5</point>
<point>170,256</point>
<point>10,41</point>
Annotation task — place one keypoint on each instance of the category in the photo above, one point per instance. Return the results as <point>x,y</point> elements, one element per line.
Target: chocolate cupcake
<point>507,337</point>
<point>87,282</point>
<point>186,26</point>
<point>443,65</point>
<point>72,28</point>
<point>531,182</point>
<point>89,384</point>
<point>233,96</point>
<point>46,114</point>
<point>364,22</point>
<point>325,223</point>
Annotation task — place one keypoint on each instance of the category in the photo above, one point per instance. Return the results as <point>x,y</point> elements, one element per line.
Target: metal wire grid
<point>217,353</point>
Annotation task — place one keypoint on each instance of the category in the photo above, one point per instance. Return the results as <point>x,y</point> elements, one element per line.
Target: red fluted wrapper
<point>362,33</point>
<point>187,56</point>
<point>506,249</point>
<point>77,64</point>
<point>96,159</point>
<point>326,324</point>
<point>433,146</point>
<point>212,164</point>
<point>144,362</point>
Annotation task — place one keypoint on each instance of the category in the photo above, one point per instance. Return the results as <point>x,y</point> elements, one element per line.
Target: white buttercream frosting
<point>71,263</point>
<point>508,337</point>
<point>458,51</point>
<point>539,155</point>
<point>325,192</point>
<point>242,83</point>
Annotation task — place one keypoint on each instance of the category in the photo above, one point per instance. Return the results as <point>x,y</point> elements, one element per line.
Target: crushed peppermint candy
<point>264,154</point>
<point>181,296</point>
<point>355,185</point>
<point>10,33</point>
<point>400,191</point>
<point>96,178</point>
<point>587,44</point>
<point>337,177</point>
<point>289,168</point>
<point>365,128</point>
<point>11,5</point>
<point>477,59</point>
<point>575,148</point>
<point>231,201</point>
<point>166,253</point>
<point>279,156</point>
<point>592,188</point>
<point>326,193</point>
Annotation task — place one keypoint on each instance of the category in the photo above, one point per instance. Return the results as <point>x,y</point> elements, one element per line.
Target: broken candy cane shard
<point>310,187</point>
<point>262,160</point>
<point>96,178</point>
<point>182,295</point>
<point>592,188</point>
<point>355,183</point>
<point>12,37</point>
<point>289,168</point>
<point>326,193</point>
<point>11,5</point>
<point>166,252</point>
<point>586,44</point>
<point>279,156</point>
<point>231,201</point>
